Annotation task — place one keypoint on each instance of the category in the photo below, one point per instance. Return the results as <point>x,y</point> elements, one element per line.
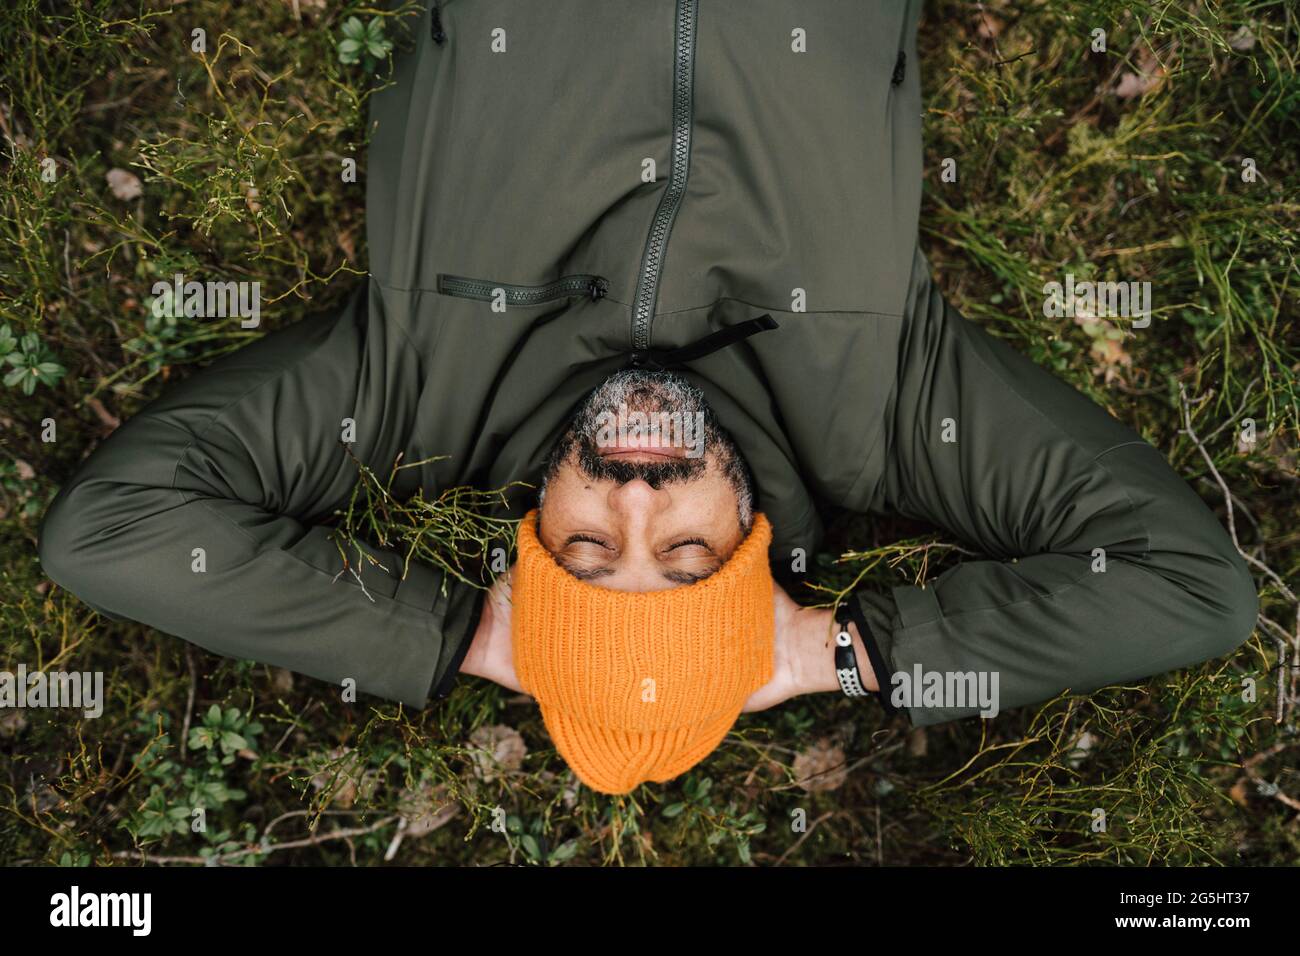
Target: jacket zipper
<point>652,259</point>
<point>592,287</point>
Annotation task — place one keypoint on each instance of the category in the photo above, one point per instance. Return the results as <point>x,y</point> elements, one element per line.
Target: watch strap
<point>846,658</point>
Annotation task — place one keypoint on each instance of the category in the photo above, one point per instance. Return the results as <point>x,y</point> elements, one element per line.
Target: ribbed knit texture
<point>637,686</point>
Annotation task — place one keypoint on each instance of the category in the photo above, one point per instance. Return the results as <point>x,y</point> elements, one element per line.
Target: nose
<point>637,505</point>
<point>636,499</point>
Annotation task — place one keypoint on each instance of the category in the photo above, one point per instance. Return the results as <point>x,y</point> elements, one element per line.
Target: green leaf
<point>673,810</point>
<point>349,51</point>
<point>743,847</point>
<point>354,29</point>
<point>564,852</point>
<point>49,372</point>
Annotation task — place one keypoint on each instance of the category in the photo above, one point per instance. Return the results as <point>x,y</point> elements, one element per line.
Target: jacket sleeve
<point>243,461</point>
<point>1105,567</point>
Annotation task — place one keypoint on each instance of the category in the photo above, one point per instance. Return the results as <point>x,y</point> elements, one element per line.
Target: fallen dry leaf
<point>110,421</point>
<point>1278,456</point>
<point>820,767</point>
<point>349,786</point>
<point>500,748</point>
<point>1107,348</point>
<point>1111,358</point>
<point>425,808</point>
<point>123,184</point>
<point>1150,74</point>
<point>282,680</point>
<point>1242,40</point>
<point>347,243</point>
<point>987,26</point>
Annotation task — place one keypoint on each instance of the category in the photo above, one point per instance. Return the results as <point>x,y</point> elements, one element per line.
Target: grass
<point>238,151</point>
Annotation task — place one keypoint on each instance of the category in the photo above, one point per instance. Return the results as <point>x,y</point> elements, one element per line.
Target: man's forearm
<point>818,628</point>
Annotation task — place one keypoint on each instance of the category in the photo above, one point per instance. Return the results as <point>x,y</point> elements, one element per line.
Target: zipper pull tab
<point>435,24</point>
<point>597,289</point>
<point>900,67</point>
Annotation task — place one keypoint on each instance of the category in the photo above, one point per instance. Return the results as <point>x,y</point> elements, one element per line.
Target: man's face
<point>644,491</point>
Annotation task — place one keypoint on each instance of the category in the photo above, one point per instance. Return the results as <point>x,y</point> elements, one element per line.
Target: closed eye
<point>699,542</point>
<point>686,577</point>
<point>574,538</point>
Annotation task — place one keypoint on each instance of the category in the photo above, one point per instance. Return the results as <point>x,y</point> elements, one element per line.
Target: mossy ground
<point>1126,164</point>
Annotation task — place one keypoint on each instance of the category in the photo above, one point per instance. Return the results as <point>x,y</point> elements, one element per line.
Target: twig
<point>1263,786</point>
<point>805,835</point>
<point>1285,692</point>
<point>396,842</point>
<point>221,858</point>
<point>1015,58</point>
<point>189,700</point>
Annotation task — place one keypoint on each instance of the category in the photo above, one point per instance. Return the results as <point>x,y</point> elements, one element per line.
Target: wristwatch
<point>846,659</point>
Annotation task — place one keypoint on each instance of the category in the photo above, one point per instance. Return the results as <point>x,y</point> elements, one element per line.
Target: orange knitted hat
<point>637,686</point>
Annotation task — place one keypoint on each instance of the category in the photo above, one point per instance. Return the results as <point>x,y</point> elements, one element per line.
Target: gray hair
<point>651,392</point>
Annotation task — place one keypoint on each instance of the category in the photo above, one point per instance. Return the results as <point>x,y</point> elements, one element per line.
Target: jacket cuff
<point>463,608</point>
<point>875,655</point>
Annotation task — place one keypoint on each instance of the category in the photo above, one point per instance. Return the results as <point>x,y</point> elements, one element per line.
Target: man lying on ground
<point>705,210</point>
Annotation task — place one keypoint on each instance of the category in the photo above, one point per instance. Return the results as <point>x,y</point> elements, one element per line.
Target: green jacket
<point>511,161</point>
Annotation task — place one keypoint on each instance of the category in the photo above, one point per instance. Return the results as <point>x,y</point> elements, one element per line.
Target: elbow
<point>63,545</point>
<point>1230,603</point>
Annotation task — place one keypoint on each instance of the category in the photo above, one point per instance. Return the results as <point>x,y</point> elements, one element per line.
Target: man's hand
<point>491,652</point>
<point>804,654</point>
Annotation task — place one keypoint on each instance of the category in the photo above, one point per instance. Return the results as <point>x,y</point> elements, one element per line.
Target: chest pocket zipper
<point>568,287</point>
<point>435,24</point>
<point>900,63</point>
